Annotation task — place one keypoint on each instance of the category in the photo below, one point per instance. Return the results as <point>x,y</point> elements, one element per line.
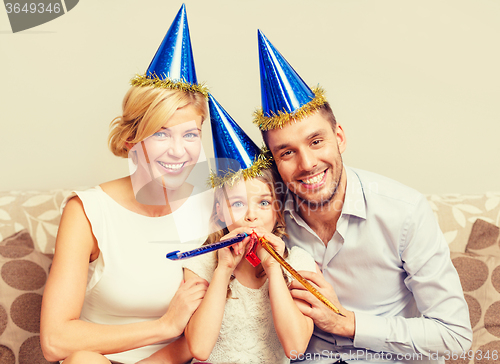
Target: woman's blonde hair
<point>145,110</point>
<point>271,179</point>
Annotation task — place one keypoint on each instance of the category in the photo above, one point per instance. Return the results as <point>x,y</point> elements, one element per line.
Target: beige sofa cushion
<point>456,213</point>
<point>38,212</point>
<point>480,277</point>
<point>23,273</point>
<point>484,239</point>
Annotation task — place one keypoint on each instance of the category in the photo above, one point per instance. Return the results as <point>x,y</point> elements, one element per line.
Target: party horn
<point>251,255</point>
<point>268,247</point>
<point>176,255</point>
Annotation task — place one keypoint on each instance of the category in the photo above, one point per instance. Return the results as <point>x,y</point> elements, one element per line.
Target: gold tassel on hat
<point>230,178</point>
<point>281,119</point>
<point>155,81</point>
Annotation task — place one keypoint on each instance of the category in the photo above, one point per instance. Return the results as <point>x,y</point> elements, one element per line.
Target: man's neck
<point>323,219</point>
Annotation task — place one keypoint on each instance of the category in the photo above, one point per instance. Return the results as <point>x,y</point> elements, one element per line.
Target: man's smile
<point>314,181</point>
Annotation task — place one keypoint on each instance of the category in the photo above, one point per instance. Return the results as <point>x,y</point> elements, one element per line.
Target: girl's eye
<point>237,204</point>
<point>265,203</point>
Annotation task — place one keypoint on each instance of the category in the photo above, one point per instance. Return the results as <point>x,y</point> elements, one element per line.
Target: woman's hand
<point>185,301</point>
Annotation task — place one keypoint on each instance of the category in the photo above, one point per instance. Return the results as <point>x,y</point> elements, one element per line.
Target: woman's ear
<point>131,153</point>
<point>129,146</point>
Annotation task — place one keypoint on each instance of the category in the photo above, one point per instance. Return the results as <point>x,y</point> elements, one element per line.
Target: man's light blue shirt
<point>388,262</point>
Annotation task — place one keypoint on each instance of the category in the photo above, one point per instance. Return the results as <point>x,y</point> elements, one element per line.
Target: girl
<point>247,314</point>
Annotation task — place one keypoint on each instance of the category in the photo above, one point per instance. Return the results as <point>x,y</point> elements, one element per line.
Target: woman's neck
<point>155,194</point>
<point>153,201</point>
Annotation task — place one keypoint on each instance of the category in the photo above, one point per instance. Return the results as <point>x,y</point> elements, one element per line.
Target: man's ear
<point>341,139</point>
<point>220,215</point>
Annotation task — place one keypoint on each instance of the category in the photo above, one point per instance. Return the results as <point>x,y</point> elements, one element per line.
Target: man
<point>376,242</point>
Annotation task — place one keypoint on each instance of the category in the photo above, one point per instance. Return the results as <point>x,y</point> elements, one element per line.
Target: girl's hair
<point>271,179</point>
<point>145,111</point>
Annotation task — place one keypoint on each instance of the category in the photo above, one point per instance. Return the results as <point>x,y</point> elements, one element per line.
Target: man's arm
<point>435,286</point>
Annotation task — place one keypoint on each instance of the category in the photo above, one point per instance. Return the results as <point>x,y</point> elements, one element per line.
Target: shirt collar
<point>354,201</point>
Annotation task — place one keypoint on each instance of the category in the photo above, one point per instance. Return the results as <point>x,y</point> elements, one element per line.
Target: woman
<point>110,288</point>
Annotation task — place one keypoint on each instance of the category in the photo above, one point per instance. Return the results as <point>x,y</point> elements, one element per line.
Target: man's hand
<point>323,316</point>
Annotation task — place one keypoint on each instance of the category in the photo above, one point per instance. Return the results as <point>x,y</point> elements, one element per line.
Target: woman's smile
<point>172,168</point>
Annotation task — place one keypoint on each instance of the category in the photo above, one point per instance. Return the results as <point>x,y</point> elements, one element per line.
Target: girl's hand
<point>231,256</point>
<point>267,261</point>
<point>185,301</point>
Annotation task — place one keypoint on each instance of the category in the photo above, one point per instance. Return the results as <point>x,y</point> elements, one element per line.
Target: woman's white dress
<point>132,280</point>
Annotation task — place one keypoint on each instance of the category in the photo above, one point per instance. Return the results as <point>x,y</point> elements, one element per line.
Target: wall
<point>415,84</point>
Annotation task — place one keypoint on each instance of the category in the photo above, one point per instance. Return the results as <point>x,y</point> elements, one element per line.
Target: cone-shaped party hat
<point>285,96</point>
<point>236,155</point>
<point>173,64</point>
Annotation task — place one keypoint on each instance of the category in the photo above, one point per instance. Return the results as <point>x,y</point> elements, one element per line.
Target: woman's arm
<point>62,332</point>
<point>293,328</point>
<point>203,329</point>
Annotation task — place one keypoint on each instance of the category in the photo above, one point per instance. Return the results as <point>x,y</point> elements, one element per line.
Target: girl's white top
<point>247,333</point>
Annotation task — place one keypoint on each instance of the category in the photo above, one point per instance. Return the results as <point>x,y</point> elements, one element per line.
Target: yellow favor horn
<point>268,247</point>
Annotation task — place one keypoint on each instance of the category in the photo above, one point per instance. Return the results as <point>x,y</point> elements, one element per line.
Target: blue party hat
<point>236,155</point>
<point>285,96</point>
<point>173,64</point>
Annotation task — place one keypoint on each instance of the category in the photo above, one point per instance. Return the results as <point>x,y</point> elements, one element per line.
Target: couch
<point>28,226</point>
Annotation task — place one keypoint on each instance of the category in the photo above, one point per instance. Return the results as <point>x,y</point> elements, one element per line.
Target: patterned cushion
<point>456,213</point>
<point>484,239</point>
<point>480,277</point>
<point>38,212</point>
<point>23,272</point>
